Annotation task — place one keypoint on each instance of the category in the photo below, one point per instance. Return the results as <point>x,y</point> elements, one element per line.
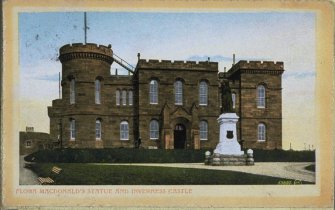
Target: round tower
<point>82,66</point>
<point>81,114</point>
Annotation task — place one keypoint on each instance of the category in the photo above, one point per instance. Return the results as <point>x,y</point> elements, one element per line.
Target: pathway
<point>289,170</point>
<point>27,177</point>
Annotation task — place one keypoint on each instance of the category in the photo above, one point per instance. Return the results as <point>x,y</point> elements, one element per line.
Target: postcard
<point>179,104</point>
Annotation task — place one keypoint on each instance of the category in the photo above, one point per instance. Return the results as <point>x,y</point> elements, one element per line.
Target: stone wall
<point>166,73</point>
<point>32,141</point>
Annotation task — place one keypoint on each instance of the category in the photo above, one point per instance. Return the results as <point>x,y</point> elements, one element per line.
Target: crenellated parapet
<point>86,51</point>
<point>268,67</point>
<point>169,64</point>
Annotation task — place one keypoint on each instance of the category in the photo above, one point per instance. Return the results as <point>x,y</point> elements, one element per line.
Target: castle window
<point>130,97</point>
<point>203,93</point>
<point>28,144</point>
<point>260,96</point>
<point>72,129</point>
<point>261,132</point>
<point>72,91</point>
<point>124,130</point>
<point>178,91</point>
<point>153,92</point>
<point>97,91</point>
<point>124,97</point>
<point>154,129</point>
<point>203,130</point>
<point>98,129</point>
<point>117,97</point>
<point>233,97</point>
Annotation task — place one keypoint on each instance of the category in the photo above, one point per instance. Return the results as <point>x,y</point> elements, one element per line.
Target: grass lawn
<point>90,174</point>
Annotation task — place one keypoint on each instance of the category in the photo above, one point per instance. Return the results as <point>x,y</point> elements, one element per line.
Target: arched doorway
<point>179,136</point>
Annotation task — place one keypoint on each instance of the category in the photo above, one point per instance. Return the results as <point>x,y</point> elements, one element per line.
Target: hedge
<point>283,156</point>
<point>117,156</point>
<point>155,156</point>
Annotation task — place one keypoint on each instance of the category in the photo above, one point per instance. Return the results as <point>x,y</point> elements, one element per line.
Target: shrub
<point>112,155</point>
<point>283,156</point>
<point>117,156</point>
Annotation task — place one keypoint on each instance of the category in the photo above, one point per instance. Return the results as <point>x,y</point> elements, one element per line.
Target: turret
<point>82,66</point>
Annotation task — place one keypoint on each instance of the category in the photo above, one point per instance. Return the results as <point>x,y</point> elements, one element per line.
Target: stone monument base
<point>230,160</point>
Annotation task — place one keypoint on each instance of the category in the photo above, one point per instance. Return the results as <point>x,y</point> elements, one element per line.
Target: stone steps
<point>229,160</point>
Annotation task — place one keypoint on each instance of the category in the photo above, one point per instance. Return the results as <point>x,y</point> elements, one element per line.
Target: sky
<point>272,36</point>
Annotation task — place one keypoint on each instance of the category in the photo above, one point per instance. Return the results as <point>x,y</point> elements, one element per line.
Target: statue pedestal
<point>228,144</point>
<point>228,151</point>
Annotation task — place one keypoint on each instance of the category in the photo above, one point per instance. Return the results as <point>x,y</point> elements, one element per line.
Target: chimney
<point>233,59</point>
<point>208,59</point>
<point>224,69</point>
<point>138,56</point>
<point>116,71</point>
<point>29,129</point>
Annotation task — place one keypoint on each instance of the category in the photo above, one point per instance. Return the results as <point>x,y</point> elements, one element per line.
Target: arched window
<point>117,97</point>
<point>261,132</point>
<point>97,91</point>
<point>233,97</point>
<point>203,130</point>
<point>124,130</point>
<point>130,97</point>
<point>72,91</point>
<point>154,129</point>
<point>28,144</point>
<point>178,92</point>
<point>260,96</point>
<point>153,92</point>
<point>98,129</point>
<point>203,93</point>
<point>124,97</point>
<point>72,129</point>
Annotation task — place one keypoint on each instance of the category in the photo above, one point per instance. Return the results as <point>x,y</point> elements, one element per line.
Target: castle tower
<point>257,90</point>
<point>74,117</point>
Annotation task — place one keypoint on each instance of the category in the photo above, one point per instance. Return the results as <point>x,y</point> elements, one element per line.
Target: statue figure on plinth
<point>226,98</point>
<point>228,144</point>
<point>228,150</point>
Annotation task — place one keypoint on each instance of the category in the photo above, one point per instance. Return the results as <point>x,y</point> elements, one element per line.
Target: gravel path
<point>27,177</point>
<point>290,170</point>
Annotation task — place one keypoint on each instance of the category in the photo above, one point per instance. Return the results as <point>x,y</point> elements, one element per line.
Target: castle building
<point>31,141</point>
<point>162,104</point>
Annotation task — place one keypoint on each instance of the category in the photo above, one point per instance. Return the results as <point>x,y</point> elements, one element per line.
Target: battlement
<point>264,67</point>
<point>268,65</point>
<point>86,48</point>
<point>169,64</point>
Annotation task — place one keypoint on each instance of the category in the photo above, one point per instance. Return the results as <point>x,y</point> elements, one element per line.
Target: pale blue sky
<point>171,35</point>
<point>277,36</point>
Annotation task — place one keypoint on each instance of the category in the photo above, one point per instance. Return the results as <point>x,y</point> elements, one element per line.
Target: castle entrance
<point>179,136</point>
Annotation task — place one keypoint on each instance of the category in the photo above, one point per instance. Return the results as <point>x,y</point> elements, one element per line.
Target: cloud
<point>215,58</point>
<point>220,58</point>
<point>53,77</point>
<point>39,80</point>
<point>299,74</point>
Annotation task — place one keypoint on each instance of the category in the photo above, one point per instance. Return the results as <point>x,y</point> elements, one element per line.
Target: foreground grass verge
<point>92,174</point>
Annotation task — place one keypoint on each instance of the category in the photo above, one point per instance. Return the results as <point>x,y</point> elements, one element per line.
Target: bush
<point>124,155</point>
